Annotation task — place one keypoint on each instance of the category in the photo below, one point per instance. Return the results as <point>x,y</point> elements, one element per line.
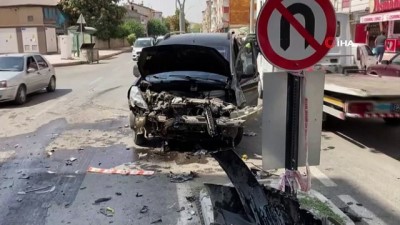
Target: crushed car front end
<point>185,93</point>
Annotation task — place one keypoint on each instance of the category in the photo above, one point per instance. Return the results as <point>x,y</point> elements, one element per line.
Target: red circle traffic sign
<point>321,49</point>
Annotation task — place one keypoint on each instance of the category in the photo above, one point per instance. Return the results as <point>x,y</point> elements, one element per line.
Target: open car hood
<point>168,58</point>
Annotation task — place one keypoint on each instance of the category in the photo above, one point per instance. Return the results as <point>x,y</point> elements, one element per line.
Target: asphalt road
<point>86,119</point>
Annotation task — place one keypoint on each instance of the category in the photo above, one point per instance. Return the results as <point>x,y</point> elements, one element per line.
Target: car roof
<point>215,39</point>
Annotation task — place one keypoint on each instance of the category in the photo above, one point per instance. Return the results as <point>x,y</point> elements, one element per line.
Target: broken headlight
<point>136,98</point>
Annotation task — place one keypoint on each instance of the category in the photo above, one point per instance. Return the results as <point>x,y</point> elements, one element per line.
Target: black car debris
<point>189,92</point>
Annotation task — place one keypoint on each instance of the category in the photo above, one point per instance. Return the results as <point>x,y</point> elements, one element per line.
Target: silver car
<point>22,74</point>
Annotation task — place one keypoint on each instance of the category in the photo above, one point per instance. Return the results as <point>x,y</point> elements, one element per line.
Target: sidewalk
<point>56,60</point>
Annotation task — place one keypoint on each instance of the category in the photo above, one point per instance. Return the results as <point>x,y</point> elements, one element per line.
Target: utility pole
<point>181,5</point>
<point>251,30</point>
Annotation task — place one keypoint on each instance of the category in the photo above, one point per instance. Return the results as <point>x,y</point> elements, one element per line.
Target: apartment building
<point>29,26</point>
<point>141,13</point>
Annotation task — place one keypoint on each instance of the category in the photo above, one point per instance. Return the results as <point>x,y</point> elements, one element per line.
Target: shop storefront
<point>385,16</point>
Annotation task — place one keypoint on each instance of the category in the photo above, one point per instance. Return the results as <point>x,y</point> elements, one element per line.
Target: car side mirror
<point>385,62</point>
<point>136,72</point>
<point>249,71</point>
<point>31,70</point>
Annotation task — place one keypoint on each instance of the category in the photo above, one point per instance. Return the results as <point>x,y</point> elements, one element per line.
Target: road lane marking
<point>46,109</point>
<point>315,172</point>
<point>367,216</point>
<point>96,80</point>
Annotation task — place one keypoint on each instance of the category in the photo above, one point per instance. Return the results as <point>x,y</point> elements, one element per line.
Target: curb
<point>84,62</point>
<point>208,214</point>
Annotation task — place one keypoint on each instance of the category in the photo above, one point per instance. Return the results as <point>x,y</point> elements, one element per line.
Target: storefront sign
<point>345,4</point>
<point>371,19</point>
<point>383,5</point>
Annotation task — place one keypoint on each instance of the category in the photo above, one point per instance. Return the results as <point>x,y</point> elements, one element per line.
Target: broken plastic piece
<point>109,212</point>
<point>138,195</point>
<point>145,209</point>
<point>191,198</point>
<point>156,221</point>
<point>46,191</point>
<point>180,178</point>
<point>100,200</point>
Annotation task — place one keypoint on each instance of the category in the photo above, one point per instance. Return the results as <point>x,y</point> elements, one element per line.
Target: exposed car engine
<point>173,115</point>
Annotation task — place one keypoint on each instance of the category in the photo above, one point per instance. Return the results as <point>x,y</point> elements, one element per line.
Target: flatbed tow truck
<point>358,95</point>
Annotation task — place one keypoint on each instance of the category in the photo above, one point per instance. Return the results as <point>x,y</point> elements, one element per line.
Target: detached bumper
<point>8,93</point>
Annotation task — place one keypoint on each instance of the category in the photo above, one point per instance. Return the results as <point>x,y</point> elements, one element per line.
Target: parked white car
<point>139,44</point>
<point>22,74</point>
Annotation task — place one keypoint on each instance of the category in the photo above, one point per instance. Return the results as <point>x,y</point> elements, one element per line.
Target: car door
<point>44,71</point>
<point>246,71</point>
<point>33,77</point>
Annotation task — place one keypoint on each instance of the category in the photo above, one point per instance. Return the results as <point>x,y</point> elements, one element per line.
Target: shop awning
<point>380,17</point>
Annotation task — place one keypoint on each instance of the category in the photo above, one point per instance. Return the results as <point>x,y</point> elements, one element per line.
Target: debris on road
<point>46,191</point>
<point>49,154</point>
<point>100,200</point>
<point>180,178</point>
<point>118,193</point>
<point>82,188</point>
<point>142,155</point>
<point>81,149</point>
<point>145,209</point>
<point>51,172</point>
<point>138,195</point>
<point>191,198</point>
<point>108,211</point>
<point>244,157</point>
<point>250,134</point>
<point>37,190</point>
<point>156,221</point>
<point>16,146</point>
<point>122,172</point>
<point>192,212</point>
<point>70,160</point>
<point>181,209</point>
<point>353,216</point>
<point>24,176</point>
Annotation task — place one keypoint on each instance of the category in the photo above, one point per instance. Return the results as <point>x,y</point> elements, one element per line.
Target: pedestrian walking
<point>380,46</point>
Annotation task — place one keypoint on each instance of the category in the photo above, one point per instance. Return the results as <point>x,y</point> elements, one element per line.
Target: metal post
<point>251,16</point>
<point>292,126</point>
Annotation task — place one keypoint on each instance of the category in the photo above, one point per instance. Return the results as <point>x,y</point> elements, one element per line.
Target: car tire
<point>239,136</point>
<point>392,121</point>
<point>139,139</point>
<point>20,98</point>
<point>51,87</point>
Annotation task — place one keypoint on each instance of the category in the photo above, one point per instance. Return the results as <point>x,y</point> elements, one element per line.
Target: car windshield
<point>11,63</point>
<point>142,43</point>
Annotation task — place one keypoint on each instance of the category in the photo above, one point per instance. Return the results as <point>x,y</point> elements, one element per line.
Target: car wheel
<point>392,121</point>
<point>20,98</point>
<point>139,139</point>
<point>52,85</point>
<point>239,136</point>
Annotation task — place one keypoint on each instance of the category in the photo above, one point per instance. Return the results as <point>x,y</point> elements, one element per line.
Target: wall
<point>14,17</point>
<point>114,43</point>
<point>239,12</point>
<point>350,5</point>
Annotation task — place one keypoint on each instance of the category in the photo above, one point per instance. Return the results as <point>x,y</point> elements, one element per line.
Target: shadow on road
<point>372,135</point>
<point>37,98</point>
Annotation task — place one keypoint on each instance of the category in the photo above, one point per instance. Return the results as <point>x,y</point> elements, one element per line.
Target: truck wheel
<point>392,121</point>
<point>139,139</point>
<point>326,121</point>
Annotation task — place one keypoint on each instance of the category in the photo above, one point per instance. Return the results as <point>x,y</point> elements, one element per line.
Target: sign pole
<point>292,127</point>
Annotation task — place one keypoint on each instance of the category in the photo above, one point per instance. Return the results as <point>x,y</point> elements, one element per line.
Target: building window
<point>396,27</point>
<point>30,18</point>
<point>338,29</point>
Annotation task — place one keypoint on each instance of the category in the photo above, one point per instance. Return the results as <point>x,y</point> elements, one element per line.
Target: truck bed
<point>363,85</point>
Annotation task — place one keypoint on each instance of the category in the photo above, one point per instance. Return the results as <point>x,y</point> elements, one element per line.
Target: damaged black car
<point>188,92</point>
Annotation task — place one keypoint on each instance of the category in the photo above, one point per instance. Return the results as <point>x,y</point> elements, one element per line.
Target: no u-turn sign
<point>292,33</point>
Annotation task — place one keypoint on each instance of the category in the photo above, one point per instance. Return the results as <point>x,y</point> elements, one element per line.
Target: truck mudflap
<point>250,203</point>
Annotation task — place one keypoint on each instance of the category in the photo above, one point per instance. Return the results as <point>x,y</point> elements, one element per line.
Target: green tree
<point>173,22</point>
<point>131,39</point>
<point>134,27</point>
<point>195,28</point>
<point>104,15</point>
<point>156,27</point>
